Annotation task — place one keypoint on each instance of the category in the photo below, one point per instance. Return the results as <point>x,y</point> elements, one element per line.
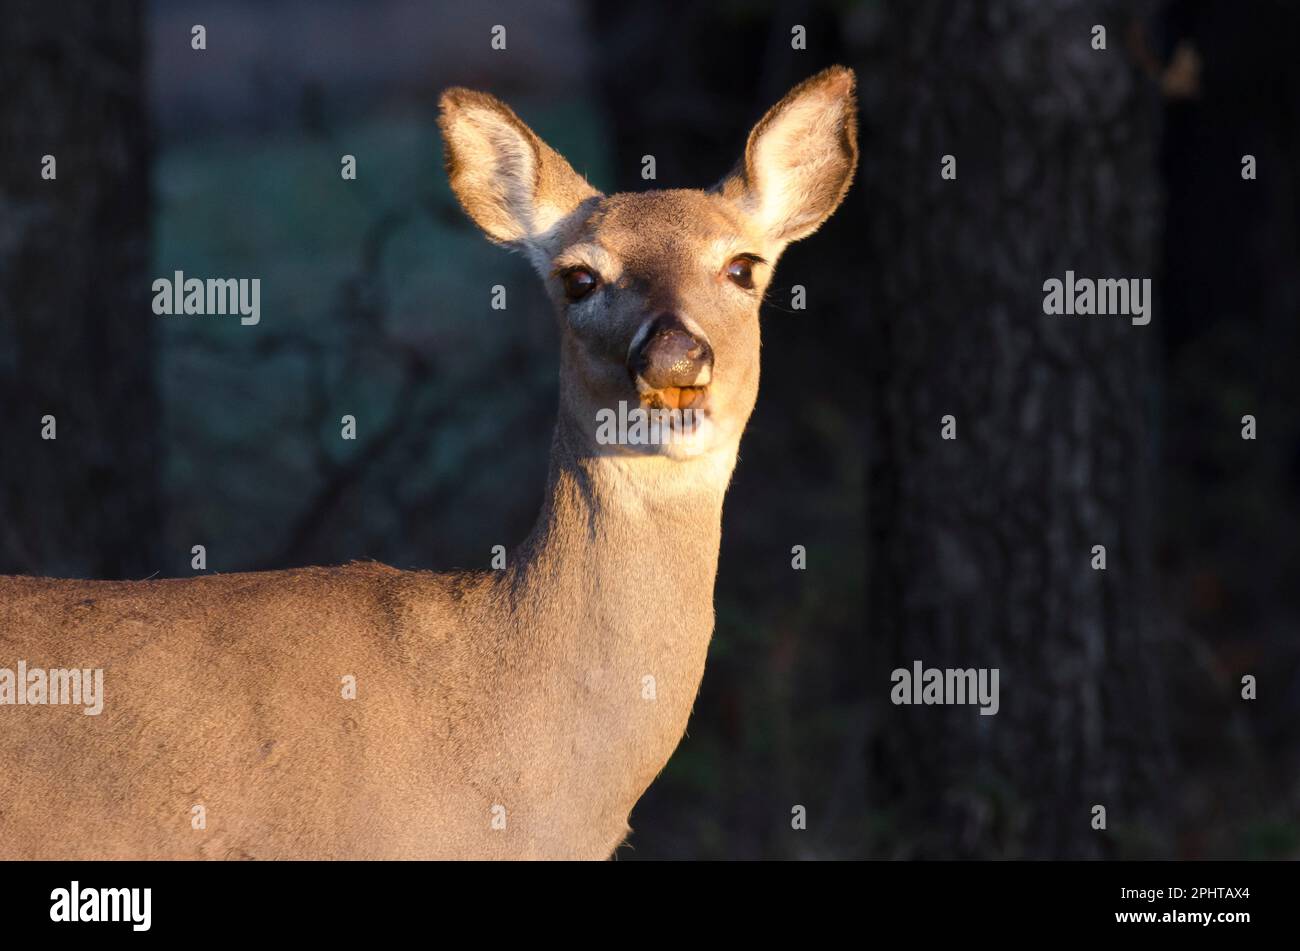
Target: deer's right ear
<point>511,183</point>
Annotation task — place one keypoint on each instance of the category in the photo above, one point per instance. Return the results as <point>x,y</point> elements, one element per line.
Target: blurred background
<point>924,298</point>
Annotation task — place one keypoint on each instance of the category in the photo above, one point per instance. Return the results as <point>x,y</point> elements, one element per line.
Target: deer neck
<point>612,601</point>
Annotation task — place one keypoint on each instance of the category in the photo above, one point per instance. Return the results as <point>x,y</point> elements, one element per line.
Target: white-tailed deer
<point>511,713</point>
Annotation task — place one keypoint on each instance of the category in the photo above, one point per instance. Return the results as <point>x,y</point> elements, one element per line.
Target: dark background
<point>1119,688</point>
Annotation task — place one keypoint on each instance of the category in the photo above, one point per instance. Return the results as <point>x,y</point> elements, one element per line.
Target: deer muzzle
<point>671,366</point>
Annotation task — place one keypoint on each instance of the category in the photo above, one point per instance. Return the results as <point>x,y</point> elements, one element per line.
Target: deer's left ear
<point>800,158</point>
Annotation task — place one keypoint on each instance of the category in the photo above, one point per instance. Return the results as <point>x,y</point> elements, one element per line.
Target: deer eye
<point>740,271</point>
<point>578,283</point>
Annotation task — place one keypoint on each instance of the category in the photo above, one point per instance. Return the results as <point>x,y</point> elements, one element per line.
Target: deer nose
<point>671,355</point>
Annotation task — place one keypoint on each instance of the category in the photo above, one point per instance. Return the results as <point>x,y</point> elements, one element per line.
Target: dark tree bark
<point>76,331</point>
<point>982,546</point>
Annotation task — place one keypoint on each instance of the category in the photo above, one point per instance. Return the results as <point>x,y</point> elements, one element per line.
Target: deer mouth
<point>673,421</point>
<point>677,412</point>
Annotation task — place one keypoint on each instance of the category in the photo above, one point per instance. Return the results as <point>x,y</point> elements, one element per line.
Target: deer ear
<point>511,183</point>
<point>800,158</point>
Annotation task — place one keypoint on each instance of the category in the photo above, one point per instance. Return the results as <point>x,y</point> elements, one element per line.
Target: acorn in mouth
<point>675,397</point>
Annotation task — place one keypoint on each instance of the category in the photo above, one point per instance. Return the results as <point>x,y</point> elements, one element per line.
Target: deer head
<point>657,293</point>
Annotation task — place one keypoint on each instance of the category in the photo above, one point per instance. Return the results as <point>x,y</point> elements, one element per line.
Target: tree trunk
<point>76,331</point>
<point>982,546</point>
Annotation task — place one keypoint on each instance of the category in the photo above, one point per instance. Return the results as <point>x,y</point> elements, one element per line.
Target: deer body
<point>473,691</point>
<point>517,713</point>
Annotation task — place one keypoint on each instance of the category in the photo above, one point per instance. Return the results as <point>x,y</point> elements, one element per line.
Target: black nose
<point>670,355</point>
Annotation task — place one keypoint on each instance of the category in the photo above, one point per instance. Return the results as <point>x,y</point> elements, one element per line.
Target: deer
<point>365,712</point>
